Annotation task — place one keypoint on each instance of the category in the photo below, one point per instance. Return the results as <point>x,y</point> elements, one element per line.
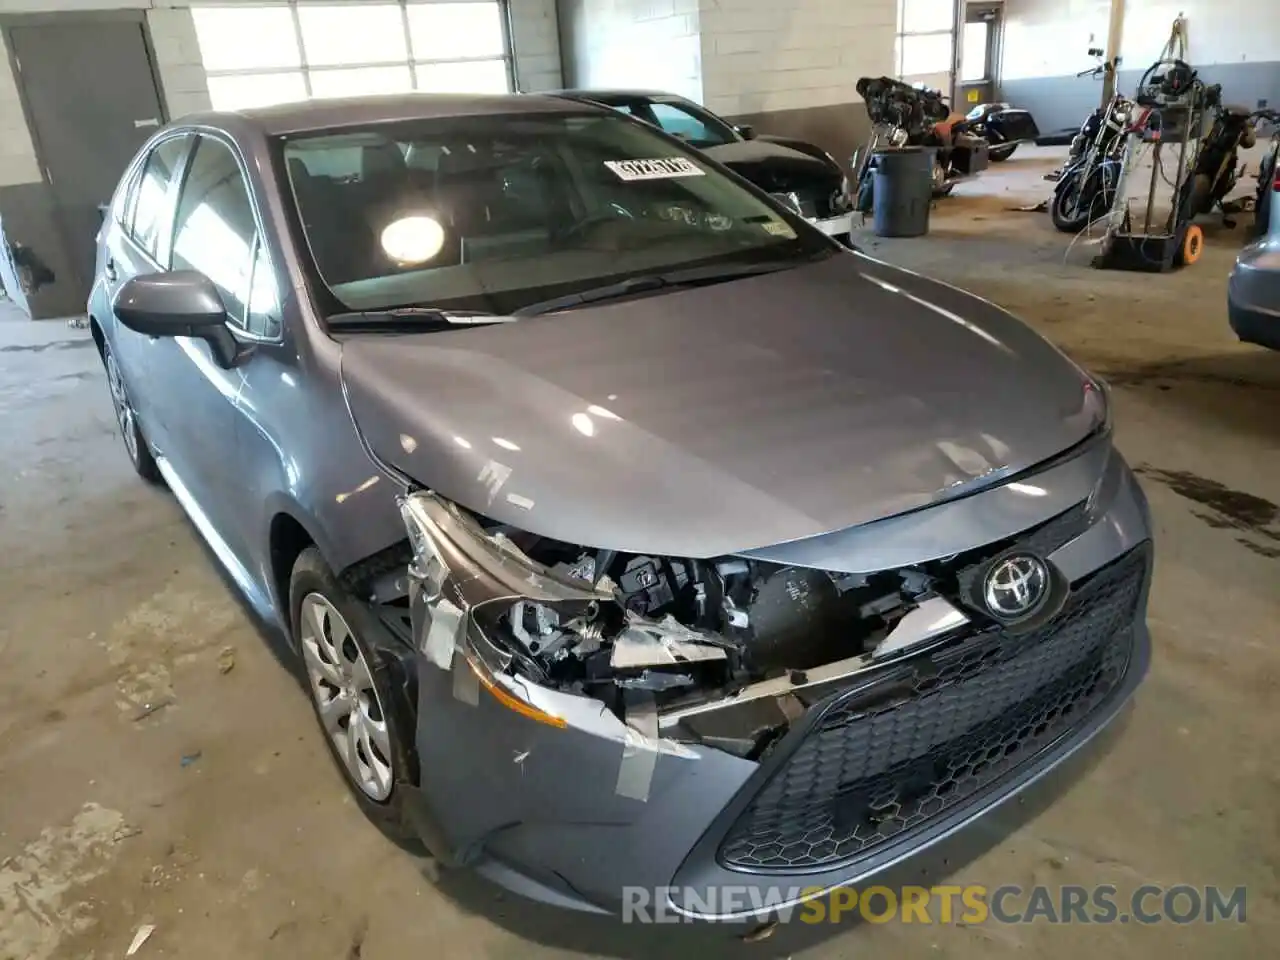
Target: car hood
<point>725,418</point>
<point>773,166</point>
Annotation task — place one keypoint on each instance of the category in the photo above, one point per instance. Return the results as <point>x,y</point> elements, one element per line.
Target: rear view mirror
<point>181,303</point>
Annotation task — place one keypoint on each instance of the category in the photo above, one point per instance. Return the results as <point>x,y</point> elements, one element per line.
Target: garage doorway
<point>980,51</point>
<point>91,99</point>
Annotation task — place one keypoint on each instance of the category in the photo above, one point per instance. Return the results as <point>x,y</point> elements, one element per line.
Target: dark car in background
<point>800,174</point>
<point>630,532</point>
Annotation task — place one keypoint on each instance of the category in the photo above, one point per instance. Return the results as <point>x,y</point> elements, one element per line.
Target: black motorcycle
<point>1003,127</point>
<point>1217,169</point>
<point>1086,187</point>
<point>903,115</point>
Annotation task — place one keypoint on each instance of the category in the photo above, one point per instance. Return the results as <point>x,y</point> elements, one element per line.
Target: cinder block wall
<point>636,44</point>
<point>790,68</point>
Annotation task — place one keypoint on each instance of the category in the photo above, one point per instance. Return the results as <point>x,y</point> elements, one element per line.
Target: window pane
<point>151,209</point>
<point>680,123</point>
<point>477,76</point>
<point>264,298</point>
<point>353,33</point>
<point>255,90</point>
<point>215,226</point>
<point>974,55</point>
<point>927,54</point>
<point>359,81</point>
<point>451,31</point>
<point>238,38</point>
<point>925,16</point>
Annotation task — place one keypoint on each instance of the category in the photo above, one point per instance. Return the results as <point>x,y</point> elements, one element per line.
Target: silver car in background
<point>1253,293</point>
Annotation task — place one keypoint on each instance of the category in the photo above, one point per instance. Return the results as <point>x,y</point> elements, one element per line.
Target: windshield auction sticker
<point>665,168</point>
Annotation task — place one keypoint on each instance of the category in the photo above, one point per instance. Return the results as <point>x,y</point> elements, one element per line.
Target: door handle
<point>109,270</point>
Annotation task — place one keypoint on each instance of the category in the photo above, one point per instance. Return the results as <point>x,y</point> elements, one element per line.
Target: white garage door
<point>925,49</point>
<point>260,54</point>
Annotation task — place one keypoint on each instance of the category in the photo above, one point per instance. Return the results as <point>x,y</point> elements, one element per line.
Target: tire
<point>940,186</point>
<point>1192,246</point>
<point>135,444</point>
<point>1094,204</point>
<point>331,631</point>
<point>1001,153</point>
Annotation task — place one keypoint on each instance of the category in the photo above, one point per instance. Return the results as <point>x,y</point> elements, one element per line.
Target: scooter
<point>1003,127</point>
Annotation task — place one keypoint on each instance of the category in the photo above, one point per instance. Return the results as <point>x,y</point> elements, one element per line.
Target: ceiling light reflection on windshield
<point>599,411</point>
<point>463,442</point>
<point>413,239</point>
<point>583,424</point>
<point>1028,489</point>
<point>505,444</point>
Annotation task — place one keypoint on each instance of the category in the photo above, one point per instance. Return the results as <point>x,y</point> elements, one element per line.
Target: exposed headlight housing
<point>479,603</point>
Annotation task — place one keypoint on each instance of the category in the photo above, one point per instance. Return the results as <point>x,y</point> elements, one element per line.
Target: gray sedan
<point>632,534</point>
<point>1253,292</point>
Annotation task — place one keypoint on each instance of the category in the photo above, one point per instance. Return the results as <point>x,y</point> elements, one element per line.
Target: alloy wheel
<point>124,410</point>
<point>345,697</point>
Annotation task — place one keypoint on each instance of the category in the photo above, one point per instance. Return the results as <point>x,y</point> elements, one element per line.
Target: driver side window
<point>215,230</point>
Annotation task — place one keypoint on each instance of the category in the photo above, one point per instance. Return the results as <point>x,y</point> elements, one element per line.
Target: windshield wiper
<point>646,282</point>
<point>412,318</point>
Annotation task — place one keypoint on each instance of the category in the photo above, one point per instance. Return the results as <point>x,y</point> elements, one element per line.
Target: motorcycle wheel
<point>1001,153</point>
<point>940,186</point>
<point>1071,215</point>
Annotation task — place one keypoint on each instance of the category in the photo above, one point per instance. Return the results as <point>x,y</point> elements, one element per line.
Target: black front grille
<point>887,758</point>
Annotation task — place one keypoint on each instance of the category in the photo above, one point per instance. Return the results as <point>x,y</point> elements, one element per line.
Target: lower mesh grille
<point>887,759</point>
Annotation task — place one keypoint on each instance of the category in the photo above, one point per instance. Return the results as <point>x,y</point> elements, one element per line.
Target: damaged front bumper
<point>557,798</point>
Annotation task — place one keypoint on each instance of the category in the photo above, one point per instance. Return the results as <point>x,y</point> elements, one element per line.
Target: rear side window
<point>214,230</point>
<point>147,211</point>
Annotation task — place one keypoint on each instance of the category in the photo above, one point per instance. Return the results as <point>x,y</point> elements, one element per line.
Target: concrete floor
<point>117,631</point>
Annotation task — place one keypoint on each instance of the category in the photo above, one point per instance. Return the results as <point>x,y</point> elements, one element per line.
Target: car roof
<point>309,115</point>
<point>604,96</point>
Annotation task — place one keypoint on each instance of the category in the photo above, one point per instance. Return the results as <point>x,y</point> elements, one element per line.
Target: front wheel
<point>135,444</point>
<point>353,694</point>
<point>1078,202</point>
<point>1001,153</point>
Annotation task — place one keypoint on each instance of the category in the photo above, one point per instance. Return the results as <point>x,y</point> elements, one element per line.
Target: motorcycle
<point>1086,187</point>
<point>1082,137</point>
<point>1216,171</point>
<point>903,115</point>
<point>1003,127</point>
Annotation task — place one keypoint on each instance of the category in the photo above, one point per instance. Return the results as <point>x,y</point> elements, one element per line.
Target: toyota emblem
<point>1016,586</point>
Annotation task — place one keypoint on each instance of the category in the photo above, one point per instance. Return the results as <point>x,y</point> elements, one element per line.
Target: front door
<point>91,102</point>
<point>980,49</point>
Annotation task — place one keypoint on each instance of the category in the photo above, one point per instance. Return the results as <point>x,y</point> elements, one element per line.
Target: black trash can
<point>903,191</point>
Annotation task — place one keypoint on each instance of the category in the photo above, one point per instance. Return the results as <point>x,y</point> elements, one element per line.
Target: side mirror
<point>746,131</point>
<point>181,303</point>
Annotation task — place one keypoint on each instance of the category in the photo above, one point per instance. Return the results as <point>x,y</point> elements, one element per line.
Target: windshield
<point>494,213</point>
<point>680,119</point>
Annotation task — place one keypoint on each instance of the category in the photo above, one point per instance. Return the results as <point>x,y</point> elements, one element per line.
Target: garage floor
<point>158,766</point>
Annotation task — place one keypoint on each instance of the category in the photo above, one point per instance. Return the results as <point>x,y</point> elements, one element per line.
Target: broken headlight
<point>479,602</point>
